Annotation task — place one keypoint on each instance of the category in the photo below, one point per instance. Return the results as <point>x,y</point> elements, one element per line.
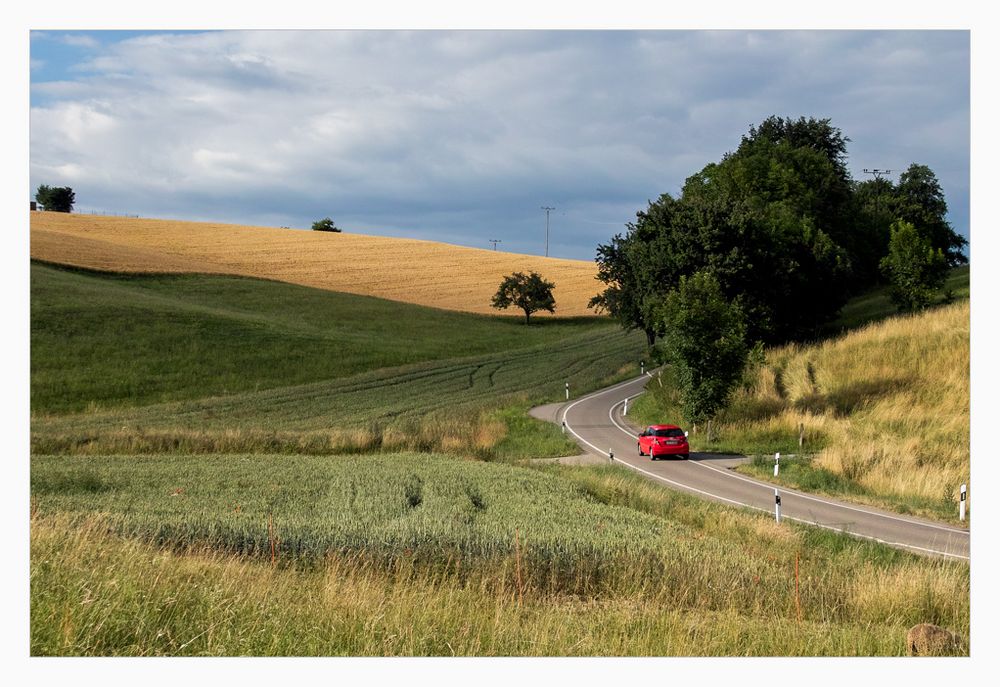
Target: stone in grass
<point>931,640</point>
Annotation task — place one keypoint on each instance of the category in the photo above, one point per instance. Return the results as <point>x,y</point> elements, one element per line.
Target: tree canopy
<point>529,292</point>
<point>325,224</point>
<point>55,198</point>
<point>780,225</point>
<point>914,267</point>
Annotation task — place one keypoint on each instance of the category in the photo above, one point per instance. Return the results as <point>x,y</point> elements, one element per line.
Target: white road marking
<point>565,413</point>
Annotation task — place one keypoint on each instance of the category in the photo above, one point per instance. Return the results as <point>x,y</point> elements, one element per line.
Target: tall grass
<point>418,555</point>
<point>885,411</point>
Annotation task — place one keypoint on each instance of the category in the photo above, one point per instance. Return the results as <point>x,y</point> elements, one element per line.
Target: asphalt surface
<point>598,423</point>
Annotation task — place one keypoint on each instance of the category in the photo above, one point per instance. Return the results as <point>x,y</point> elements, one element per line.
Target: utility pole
<point>547,211</point>
<point>877,173</point>
<point>495,242</point>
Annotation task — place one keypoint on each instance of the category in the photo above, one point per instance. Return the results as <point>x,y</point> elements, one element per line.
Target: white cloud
<point>411,130</point>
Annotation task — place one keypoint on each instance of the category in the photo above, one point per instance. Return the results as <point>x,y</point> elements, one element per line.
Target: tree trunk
<point>650,337</point>
<point>527,317</point>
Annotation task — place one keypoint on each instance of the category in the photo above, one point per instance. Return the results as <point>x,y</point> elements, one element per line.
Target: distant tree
<point>704,341</point>
<point>325,224</point>
<point>528,292</point>
<point>56,198</point>
<point>914,267</point>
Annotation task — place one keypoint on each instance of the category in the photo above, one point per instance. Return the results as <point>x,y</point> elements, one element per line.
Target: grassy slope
<point>100,340</point>
<point>885,409</point>
<point>419,554</point>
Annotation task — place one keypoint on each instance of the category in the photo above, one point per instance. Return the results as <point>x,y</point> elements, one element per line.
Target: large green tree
<point>529,292</point>
<point>56,198</point>
<point>704,341</point>
<point>914,267</point>
<point>920,201</point>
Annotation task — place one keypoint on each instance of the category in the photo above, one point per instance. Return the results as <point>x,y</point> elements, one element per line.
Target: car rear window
<point>668,433</point>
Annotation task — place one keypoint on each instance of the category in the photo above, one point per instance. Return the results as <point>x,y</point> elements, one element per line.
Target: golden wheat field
<point>427,273</point>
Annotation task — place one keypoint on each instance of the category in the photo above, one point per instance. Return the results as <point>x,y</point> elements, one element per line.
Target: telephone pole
<point>547,210</point>
<point>495,242</point>
<point>877,173</point>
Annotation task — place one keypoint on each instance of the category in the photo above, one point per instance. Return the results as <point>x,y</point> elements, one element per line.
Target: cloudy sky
<point>462,136</point>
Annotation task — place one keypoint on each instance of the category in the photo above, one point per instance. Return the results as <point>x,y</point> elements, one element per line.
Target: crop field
<point>422,272</point>
<point>426,554</point>
<point>885,412</point>
<point>211,363</point>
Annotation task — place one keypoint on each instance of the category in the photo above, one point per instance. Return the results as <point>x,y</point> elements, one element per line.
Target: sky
<point>464,136</point>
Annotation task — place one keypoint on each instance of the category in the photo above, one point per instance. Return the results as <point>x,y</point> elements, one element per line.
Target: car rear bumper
<point>680,450</point>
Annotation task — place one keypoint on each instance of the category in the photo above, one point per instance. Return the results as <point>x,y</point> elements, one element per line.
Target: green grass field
<point>427,554</point>
<point>112,341</point>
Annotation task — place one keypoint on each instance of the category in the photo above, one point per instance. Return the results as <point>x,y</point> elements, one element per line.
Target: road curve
<point>597,422</point>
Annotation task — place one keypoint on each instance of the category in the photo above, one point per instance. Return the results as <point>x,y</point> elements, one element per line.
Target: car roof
<point>664,427</point>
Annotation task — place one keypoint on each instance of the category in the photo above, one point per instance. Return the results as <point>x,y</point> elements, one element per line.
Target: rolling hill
<point>426,273</point>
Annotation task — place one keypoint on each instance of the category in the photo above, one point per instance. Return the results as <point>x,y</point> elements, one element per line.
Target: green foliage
<point>915,269</point>
<point>704,343</point>
<point>56,198</point>
<point>529,292</point>
<point>780,224</point>
<point>920,201</point>
<point>325,224</point>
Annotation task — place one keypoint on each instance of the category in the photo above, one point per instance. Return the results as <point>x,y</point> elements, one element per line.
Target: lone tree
<point>529,292</point>
<point>325,224</point>
<point>704,340</point>
<point>56,198</point>
<point>915,268</point>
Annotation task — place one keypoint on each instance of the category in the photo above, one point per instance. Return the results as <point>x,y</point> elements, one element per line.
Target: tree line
<point>765,246</point>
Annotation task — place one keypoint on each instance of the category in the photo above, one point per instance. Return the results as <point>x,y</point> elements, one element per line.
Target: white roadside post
<point>564,426</point>
<point>961,505</point>
<point>642,367</point>
<point>611,455</point>
<point>625,410</point>
<point>776,457</point>
<point>777,507</point>
<point>567,391</point>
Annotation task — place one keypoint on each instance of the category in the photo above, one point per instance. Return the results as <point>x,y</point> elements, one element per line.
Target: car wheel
<point>652,456</point>
<point>685,456</point>
<point>640,449</point>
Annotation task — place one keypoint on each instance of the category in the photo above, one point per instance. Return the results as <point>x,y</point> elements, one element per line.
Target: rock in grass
<point>926,639</point>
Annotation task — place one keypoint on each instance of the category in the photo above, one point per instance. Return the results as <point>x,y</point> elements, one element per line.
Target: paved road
<point>597,422</point>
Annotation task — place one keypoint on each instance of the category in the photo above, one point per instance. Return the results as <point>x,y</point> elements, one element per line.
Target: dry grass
<point>422,272</point>
<point>892,399</point>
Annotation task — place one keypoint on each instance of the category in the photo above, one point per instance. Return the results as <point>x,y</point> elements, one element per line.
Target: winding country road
<point>598,424</point>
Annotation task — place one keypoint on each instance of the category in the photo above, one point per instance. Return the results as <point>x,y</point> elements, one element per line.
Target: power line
<point>547,210</point>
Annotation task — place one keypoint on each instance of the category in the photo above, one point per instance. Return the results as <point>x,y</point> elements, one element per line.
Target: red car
<point>663,440</point>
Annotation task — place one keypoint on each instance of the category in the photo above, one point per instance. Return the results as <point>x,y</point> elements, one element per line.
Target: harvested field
<point>427,273</point>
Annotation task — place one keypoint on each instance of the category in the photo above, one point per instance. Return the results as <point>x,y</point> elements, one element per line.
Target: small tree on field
<point>704,342</point>
<point>56,198</point>
<point>325,224</point>
<point>528,292</point>
<point>914,268</point>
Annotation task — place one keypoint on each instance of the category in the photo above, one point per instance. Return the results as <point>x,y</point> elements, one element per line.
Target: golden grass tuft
<point>422,272</point>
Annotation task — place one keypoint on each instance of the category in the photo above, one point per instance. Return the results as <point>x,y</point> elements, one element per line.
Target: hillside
<point>885,410</point>
<point>426,273</point>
